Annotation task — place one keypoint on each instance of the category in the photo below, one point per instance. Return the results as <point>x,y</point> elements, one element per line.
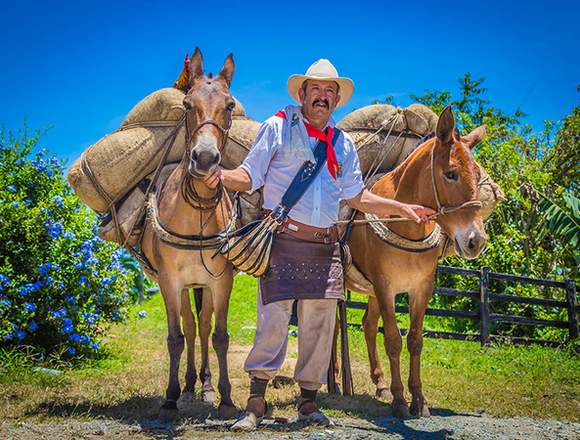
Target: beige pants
<point>316,321</point>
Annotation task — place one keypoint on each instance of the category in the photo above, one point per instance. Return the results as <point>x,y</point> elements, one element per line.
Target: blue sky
<point>81,66</point>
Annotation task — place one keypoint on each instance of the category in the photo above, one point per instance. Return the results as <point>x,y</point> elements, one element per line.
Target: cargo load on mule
<point>115,172</point>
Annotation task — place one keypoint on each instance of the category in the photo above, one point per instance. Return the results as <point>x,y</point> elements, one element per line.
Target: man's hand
<point>233,180</point>
<point>416,213</point>
<point>213,178</point>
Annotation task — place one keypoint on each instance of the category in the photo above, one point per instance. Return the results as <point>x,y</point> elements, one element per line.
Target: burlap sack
<point>131,211</point>
<point>410,123</point>
<point>119,161</point>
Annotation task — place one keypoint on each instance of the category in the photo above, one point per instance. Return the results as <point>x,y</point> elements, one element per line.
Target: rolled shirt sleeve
<point>351,180</point>
<point>258,159</point>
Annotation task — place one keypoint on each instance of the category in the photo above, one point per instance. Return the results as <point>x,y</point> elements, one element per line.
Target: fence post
<point>571,303</point>
<point>484,306</point>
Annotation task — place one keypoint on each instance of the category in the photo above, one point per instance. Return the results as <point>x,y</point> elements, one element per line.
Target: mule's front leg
<point>220,340</point>
<point>418,305</point>
<point>175,344</point>
<point>204,320</point>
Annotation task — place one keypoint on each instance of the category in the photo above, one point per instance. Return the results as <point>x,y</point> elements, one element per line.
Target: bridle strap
<point>444,210</point>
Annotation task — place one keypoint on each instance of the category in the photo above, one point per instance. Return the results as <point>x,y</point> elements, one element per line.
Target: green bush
<point>59,283</point>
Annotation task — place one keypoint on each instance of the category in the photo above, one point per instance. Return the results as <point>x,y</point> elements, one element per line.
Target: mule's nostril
<point>193,155</point>
<point>471,244</point>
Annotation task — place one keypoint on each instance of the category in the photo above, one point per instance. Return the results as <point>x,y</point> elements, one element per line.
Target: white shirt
<point>280,148</point>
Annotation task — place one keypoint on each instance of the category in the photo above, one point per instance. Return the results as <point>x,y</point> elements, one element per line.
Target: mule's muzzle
<point>470,244</point>
<point>203,161</point>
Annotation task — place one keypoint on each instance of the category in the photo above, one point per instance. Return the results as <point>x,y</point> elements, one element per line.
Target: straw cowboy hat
<point>322,70</point>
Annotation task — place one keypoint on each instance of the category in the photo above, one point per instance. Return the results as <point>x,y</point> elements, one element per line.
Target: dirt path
<point>464,426</point>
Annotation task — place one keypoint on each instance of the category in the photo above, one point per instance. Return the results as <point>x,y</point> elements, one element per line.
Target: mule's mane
<point>423,148</point>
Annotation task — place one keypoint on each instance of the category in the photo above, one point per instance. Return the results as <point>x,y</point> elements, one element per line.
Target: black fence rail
<point>482,313</point>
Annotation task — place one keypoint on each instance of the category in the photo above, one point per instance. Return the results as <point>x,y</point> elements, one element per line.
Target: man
<point>305,262</point>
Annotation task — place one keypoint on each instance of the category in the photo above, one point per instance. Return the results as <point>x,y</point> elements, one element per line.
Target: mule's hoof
<point>208,396</point>
<point>226,412</point>
<point>400,410</point>
<point>168,411</point>
<point>383,393</point>
<point>420,410</point>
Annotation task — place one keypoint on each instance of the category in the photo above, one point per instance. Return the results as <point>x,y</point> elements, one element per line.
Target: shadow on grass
<point>142,411</point>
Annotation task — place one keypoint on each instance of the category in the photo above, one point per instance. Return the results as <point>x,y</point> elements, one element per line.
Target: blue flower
<point>87,246</point>
<point>84,339</point>
<point>44,268</point>
<point>55,229</point>
<point>32,326</point>
<point>91,318</point>
<point>30,308</point>
<point>15,205</point>
<point>68,235</point>
<point>95,346</point>
<point>27,201</point>
<point>71,351</point>
<point>75,337</point>
<point>9,336</point>
<point>70,298</point>
<point>29,288</point>
<point>58,201</point>
<point>5,302</point>
<point>4,280</point>
<point>20,334</point>
<point>142,314</point>
<point>65,329</point>
<point>11,188</point>
<point>60,313</point>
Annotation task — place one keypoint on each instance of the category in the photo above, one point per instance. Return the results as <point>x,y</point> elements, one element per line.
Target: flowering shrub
<point>59,282</point>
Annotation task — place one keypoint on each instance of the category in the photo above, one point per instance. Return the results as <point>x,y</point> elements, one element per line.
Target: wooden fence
<point>482,313</point>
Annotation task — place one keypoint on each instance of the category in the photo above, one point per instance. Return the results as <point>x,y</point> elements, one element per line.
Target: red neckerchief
<point>331,161</point>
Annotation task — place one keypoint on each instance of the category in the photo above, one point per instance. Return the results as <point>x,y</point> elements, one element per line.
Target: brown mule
<point>441,173</point>
<point>186,207</point>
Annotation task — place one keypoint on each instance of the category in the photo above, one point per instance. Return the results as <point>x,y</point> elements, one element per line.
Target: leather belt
<point>305,232</point>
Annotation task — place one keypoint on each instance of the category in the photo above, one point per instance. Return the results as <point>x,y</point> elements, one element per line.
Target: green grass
<point>129,380</point>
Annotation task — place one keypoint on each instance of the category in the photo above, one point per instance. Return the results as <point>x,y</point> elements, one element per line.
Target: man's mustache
<point>321,100</point>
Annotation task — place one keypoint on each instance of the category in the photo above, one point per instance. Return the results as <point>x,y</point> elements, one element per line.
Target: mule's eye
<point>230,106</point>
<point>451,175</point>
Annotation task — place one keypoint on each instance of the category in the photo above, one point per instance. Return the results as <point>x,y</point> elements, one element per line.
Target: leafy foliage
<point>59,283</point>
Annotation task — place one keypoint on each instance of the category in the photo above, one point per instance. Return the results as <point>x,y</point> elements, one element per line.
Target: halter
<point>188,191</point>
<point>196,201</point>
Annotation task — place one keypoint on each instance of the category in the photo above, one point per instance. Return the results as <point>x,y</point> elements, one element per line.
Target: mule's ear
<point>228,68</point>
<point>475,137</point>
<point>195,65</point>
<point>445,126</point>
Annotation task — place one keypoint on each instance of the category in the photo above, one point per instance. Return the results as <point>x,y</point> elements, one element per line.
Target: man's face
<point>319,98</point>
